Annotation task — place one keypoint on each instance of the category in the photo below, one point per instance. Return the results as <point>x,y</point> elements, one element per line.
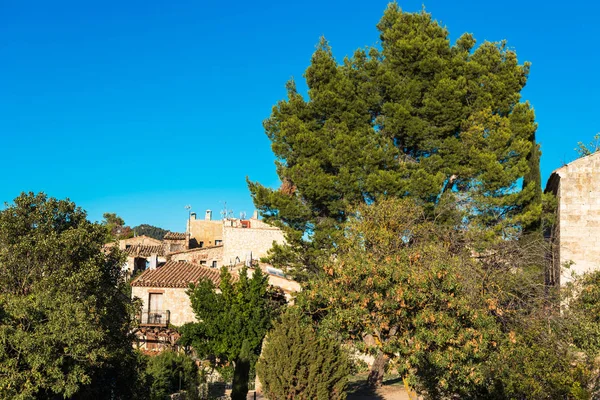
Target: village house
<point>242,240</point>
<point>208,242</point>
<point>165,303</point>
<point>142,252</point>
<point>175,241</point>
<point>169,266</point>
<point>141,257</point>
<point>576,235</point>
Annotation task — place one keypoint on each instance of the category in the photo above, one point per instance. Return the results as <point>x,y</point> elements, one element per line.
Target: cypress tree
<point>298,364</point>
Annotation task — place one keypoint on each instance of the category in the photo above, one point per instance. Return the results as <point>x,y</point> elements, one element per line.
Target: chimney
<point>193,216</point>
<point>208,216</point>
<point>255,214</point>
<point>153,261</point>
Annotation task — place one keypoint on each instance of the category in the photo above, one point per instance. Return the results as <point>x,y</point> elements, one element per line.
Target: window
<point>218,242</point>
<point>201,244</point>
<point>214,264</point>
<point>203,262</point>
<point>155,305</point>
<point>155,302</point>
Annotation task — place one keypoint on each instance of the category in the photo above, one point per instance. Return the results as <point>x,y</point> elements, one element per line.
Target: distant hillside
<point>149,230</point>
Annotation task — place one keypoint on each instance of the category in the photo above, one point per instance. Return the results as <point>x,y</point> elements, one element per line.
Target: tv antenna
<point>224,211</point>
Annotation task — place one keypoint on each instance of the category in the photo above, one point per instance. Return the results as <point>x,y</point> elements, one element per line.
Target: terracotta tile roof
<point>145,250</point>
<point>175,236</point>
<point>178,274</point>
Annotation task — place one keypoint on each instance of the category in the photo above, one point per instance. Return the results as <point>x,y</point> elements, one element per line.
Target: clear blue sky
<point>142,107</point>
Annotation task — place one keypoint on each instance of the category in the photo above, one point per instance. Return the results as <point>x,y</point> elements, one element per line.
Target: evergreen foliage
<point>172,372</point>
<point>298,363</point>
<point>585,150</point>
<point>419,117</point>
<point>115,226</point>
<point>64,322</point>
<point>233,322</point>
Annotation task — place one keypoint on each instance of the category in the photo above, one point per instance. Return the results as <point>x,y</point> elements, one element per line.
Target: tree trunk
<point>378,370</point>
<point>241,374</point>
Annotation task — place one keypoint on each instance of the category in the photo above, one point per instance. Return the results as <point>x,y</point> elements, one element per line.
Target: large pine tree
<point>418,117</point>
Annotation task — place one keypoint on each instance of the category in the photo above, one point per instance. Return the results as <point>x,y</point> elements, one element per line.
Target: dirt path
<point>383,393</point>
<point>359,391</point>
<point>386,392</point>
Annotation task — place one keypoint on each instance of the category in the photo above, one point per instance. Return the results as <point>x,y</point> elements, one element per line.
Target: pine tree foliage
<point>64,322</point>
<point>150,230</point>
<point>297,363</point>
<point>418,117</point>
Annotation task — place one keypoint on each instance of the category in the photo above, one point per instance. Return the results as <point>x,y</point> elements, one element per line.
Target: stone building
<point>576,235</point>
<point>162,291</point>
<point>211,256</point>
<point>141,257</point>
<point>242,240</point>
<point>137,240</point>
<point>175,241</point>
<point>206,232</point>
<point>142,252</point>
<point>165,303</point>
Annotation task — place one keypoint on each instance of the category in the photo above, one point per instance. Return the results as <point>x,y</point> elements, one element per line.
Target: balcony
<point>155,318</point>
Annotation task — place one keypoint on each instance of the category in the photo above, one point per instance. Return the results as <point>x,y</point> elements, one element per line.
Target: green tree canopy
<point>459,318</point>
<point>112,219</point>
<point>583,149</point>
<point>115,227</point>
<point>233,321</point>
<point>151,231</point>
<point>64,323</point>
<point>418,117</point>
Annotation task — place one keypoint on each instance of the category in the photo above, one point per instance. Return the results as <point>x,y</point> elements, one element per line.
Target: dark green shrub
<point>169,372</point>
<point>297,363</point>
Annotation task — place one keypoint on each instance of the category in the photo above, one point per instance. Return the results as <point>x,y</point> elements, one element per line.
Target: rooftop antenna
<point>224,211</point>
<point>189,209</point>
<point>243,215</point>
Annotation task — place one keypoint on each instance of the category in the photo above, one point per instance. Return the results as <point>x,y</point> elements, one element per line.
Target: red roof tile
<point>175,236</point>
<point>145,250</point>
<point>178,274</point>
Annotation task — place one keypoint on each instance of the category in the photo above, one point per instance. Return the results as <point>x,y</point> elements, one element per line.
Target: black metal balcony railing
<point>156,317</point>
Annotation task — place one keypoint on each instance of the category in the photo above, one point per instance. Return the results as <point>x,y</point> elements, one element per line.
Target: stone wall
<point>143,240</point>
<point>578,215</point>
<point>205,232</point>
<point>287,285</point>
<point>201,256</point>
<point>174,299</point>
<point>239,242</point>
<point>174,245</point>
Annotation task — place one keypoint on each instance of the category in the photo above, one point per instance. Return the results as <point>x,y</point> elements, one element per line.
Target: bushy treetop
<point>416,117</point>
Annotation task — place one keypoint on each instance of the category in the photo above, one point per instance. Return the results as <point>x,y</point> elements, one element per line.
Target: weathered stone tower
<point>576,237</point>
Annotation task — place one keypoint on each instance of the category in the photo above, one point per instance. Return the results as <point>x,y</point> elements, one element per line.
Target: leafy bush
<point>297,363</point>
<point>169,372</point>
